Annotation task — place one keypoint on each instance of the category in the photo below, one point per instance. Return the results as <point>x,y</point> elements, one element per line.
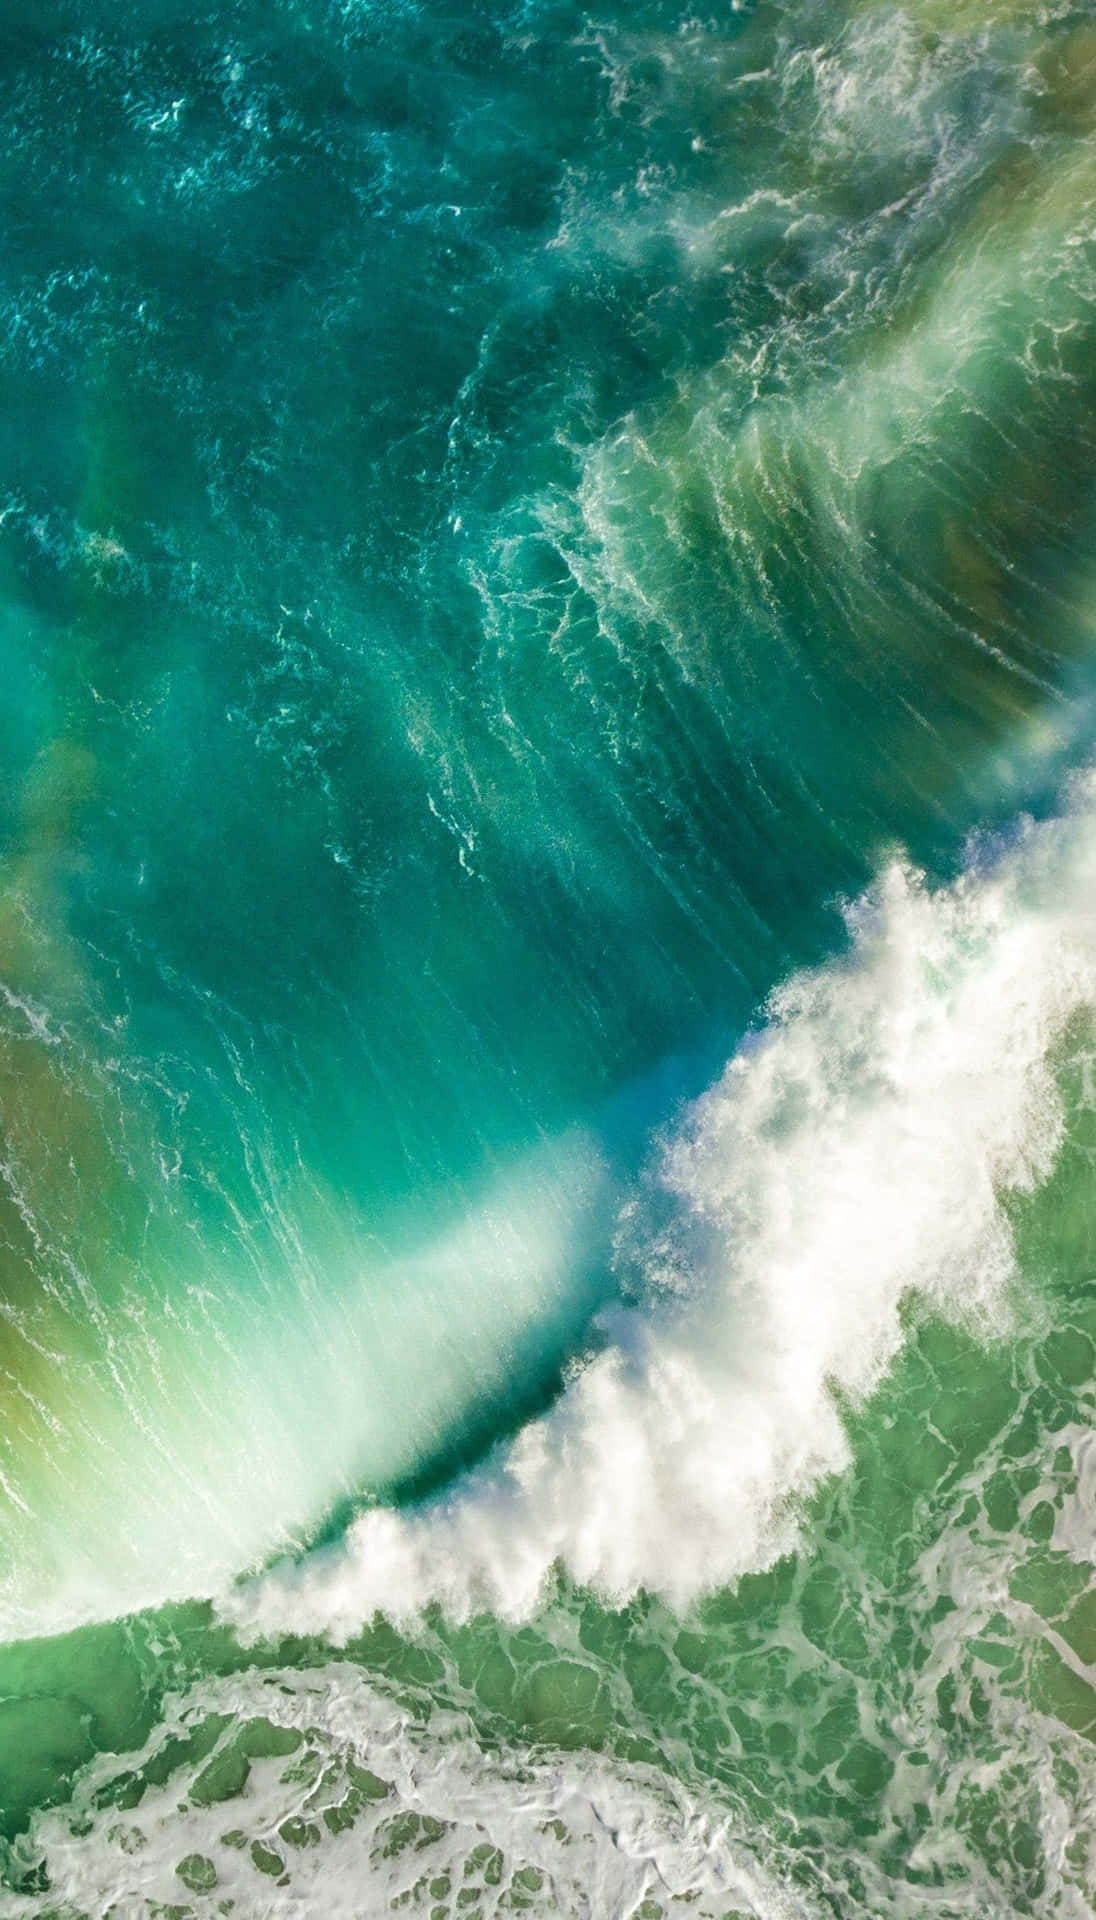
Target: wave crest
<point>854,1153</point>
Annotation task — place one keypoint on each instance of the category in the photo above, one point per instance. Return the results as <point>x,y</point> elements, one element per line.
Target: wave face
<point>856,1160</point>
<point>547,959</point>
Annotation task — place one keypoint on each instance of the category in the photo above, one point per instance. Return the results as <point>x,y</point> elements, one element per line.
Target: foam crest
<point>853,1155</point>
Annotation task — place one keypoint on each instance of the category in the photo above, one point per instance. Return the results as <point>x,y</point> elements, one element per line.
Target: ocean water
<point>548,960</point>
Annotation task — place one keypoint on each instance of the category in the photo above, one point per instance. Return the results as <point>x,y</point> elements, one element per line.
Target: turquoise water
<point>548,960</point>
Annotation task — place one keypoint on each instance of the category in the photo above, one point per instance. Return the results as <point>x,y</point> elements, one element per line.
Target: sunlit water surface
<point>548,960</point>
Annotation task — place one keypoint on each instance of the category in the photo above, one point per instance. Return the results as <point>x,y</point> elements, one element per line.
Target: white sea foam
<point>578,1836</point>
<point>853,1155</point>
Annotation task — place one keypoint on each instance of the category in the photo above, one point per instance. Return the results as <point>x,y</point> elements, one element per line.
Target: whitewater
<point>854,1161</point>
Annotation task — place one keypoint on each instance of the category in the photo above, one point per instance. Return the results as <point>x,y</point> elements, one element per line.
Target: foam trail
<point>852,1154</point>
<point>596,1838</point>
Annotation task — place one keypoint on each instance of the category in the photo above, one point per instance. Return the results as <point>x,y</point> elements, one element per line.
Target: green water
<point>547,605</point>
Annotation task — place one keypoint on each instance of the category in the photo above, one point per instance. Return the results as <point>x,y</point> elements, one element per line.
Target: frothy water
<point>857,1155</point>
<point>510,1833</point>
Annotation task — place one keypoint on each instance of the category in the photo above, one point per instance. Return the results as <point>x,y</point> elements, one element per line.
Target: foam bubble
<point>853,1154</point>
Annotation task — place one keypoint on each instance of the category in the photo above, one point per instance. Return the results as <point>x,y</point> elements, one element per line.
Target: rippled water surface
<point>548,960</point>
